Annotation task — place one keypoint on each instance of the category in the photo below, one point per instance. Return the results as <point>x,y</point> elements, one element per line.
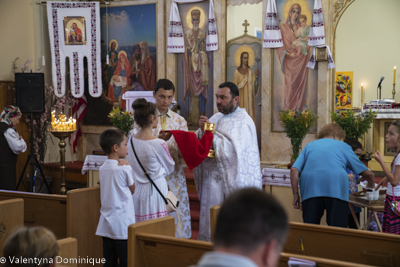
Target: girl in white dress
<point>155,158</point>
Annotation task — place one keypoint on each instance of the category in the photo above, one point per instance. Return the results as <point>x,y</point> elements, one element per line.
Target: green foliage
<point>122,120</point>
<point>297,123</point>
<point>353,124</point>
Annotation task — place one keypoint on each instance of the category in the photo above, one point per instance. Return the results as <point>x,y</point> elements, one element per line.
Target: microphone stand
<point>380,91</point>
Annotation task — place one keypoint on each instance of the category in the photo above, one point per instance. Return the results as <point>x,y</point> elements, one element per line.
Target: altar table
<point>372,206</point>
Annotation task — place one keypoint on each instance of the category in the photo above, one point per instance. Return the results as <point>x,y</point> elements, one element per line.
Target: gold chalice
<point>210,127</point>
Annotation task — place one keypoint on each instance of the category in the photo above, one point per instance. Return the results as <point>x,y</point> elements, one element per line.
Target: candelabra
<point>62,135</point>
<point>394,90</point>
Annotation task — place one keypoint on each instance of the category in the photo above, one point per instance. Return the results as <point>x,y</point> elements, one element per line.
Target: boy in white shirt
<point>116,189</point>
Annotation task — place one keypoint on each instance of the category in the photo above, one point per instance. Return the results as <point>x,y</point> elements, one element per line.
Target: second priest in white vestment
<point>237,160</point>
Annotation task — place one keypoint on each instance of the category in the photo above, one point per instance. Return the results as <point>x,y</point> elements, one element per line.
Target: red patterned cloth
<point>193,151</point>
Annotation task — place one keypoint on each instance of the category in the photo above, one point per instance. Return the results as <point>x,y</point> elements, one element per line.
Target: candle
<point>394,76</point>
<point>74,125</point>
<point>362,94</point>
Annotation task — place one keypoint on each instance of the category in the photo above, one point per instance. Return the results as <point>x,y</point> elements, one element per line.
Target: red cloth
<point>193,151</point>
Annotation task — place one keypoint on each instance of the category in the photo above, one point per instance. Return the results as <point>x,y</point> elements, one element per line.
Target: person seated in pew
<point>324,184</point>
<point>32,244</point>
<point>353,181</point>
<point>116,189</point>
<point>11,144</point>
<point>251,229</point>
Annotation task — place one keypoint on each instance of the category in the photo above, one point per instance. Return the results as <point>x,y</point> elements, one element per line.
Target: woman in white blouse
<point>11,144</point>
<point>155,158</point>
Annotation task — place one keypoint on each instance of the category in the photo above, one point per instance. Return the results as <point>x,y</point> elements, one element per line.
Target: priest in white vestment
<point>237,160</point>
<point>169,120</point>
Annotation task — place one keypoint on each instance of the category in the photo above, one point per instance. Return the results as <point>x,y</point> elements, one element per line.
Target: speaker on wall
<point>29,92</point>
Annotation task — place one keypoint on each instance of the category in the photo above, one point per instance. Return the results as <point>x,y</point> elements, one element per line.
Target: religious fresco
<point>195,66</point>
<point>74,30</point>
<point>244,69</point>
<point>130,43</point>
<point>294,85</point>
<point>344,90</point>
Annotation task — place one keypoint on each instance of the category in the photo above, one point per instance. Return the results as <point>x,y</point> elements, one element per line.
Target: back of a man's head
<point>248,219</point>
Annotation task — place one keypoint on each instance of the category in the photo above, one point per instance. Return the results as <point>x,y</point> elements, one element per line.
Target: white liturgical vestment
<point>236,163</point>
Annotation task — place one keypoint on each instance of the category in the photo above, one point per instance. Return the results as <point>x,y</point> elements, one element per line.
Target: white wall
<point>17,35</point>
<point>367,43</point>
<point>237,14</point>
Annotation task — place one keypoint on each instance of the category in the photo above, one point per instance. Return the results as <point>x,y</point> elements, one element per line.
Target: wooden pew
<point>68,250</point>
<point>45,210</point>
<point>83,214</point>
<point>344,244</point>
<point>11,217</point>
<point>321,262</point>
<point>338,243</point>
<point>163,226</point>
<point>214,210</point>
<point>147,249</point>
<point>74,215</point>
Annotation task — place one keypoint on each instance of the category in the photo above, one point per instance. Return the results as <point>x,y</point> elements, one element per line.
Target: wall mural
<point>244,69</point>
<point>195,66</point>
<point>294,85</point>
<point>130,41</point>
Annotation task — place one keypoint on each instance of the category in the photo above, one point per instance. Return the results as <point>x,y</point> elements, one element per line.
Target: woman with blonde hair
<point>35,246</point>
<point>11,144</point>
<point>324,184</point>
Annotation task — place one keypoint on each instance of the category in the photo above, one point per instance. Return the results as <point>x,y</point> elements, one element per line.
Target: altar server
<point>169,120</point>
<point>237,160</point>
<point>11,144</point>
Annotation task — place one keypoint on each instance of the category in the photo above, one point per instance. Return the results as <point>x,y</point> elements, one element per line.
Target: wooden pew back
<point>321,262</point>
<point>166,251</point>
<point>163,226</point>
<point>344,244</point>
<point>68,250</point>
<point>45,210</point>
<point>11,217</point>
<point>83,214</point>
<point>363,247</point>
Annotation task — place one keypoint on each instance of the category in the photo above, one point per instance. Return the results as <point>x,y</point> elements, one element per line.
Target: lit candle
<point>74,125</point>
<point>394,76</point>
<point>362,94</point>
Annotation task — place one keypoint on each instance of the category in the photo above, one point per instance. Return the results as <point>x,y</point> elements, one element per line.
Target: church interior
<point>334,78</point>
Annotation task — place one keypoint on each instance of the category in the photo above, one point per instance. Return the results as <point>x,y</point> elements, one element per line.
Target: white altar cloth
<point>276,176</point>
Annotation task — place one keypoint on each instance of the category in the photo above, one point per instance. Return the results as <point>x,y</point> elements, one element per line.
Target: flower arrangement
<point>122,120</point>
<point>353,124</point>
<point>296,125</point>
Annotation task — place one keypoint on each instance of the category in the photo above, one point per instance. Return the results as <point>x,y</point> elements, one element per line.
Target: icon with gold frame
<point>74,30</point>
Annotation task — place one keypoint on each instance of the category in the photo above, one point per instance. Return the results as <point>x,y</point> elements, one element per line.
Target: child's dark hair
<point>164,84</point>
<point>143,111</point>
<point>396,123</point>
<point>353,142</point>
<point>111,137</point>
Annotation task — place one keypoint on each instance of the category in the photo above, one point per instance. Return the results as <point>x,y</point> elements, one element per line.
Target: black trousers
<point>114,250</point>
<point>7,177</point>
<point>336,211</point>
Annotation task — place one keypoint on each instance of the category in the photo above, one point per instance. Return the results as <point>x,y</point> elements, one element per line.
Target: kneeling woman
<point>11,144</point>
<point>154,156</point>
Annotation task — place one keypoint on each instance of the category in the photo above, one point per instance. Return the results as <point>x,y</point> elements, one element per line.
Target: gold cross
<point>245,24</point>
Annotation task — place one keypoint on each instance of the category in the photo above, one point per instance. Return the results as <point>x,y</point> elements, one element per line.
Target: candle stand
<point>62,135</point>
<point>394,90</point>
